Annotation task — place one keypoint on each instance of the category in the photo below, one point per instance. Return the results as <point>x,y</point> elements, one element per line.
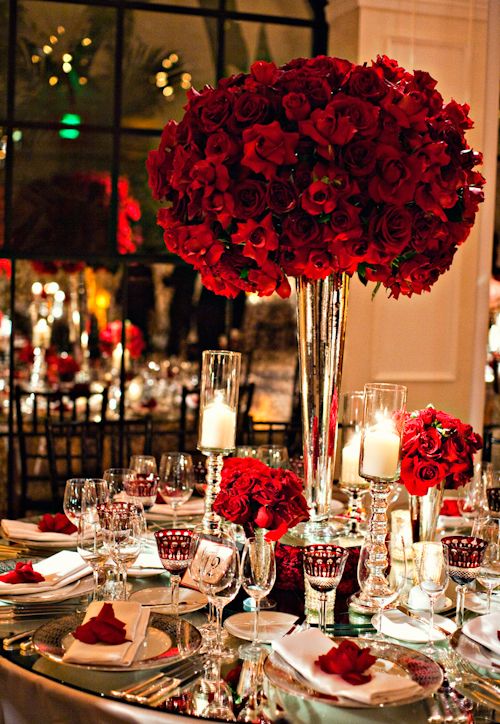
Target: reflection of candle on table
<point>380,452</point>
<point>350,463</point>
<point>218,427</point>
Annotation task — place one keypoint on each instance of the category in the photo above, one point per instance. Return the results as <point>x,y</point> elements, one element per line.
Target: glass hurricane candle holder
<point>379,463</point>
<point>220,377</point>
<point>323,567</point>
<point>350,479</point>
<point>464,556</point>
<point>175,551</point>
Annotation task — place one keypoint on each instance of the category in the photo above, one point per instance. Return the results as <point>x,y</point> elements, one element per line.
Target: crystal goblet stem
<point>174,593</point>
<point>323,599</point>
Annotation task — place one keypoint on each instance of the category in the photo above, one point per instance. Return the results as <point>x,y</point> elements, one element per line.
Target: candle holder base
<point>361,603</point>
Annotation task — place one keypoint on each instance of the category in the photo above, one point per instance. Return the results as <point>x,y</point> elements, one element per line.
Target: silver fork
<point>153,683</point>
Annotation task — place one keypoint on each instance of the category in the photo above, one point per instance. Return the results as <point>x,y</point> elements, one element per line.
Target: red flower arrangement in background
<point>436,447</point>
<point>111,335</point>
<point>316,167</point>
<point>257,496</point>
<point>6,268</point>
<point>61,365</point>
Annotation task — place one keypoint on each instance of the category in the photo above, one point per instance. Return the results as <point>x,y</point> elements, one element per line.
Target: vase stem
<point>321,320</point>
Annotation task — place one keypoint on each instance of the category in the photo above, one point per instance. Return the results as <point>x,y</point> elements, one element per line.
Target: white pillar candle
<point>41,334</point>
<point>116,357</point>
<point>350,462</point>
<point>218,427</point>
<point>380,453</point>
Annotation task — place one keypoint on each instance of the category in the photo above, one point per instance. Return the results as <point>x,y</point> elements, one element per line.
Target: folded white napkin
<point>18,530</point>
<point>302,648</point>
<point>149,560</point>
<point>135,618</point>
<point>194,506</point>
<point>484,630</point>
<point>58,570</point>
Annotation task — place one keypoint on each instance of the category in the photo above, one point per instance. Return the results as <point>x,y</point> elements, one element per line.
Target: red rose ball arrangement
<point>316,167</point>
<point>254,495</point>
<point>111,335</point>
<point>436,447</point>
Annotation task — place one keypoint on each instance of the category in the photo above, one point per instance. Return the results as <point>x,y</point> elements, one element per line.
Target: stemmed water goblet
<point>143,486</point>
<point>489,574</point>
<point>393,575</point>
<point>324,565</point>
<point>432,576</point>
<point>258,571</point>
<point>175,551</point>
<point>143,465</point>
<point>122,524</point>
<point>116,478</point>
<point>80,492</point>
<point>275,456</point>
<point>464,556</point>
<point>92,547</point>
<point>472,502</point>
<point>177,480</point>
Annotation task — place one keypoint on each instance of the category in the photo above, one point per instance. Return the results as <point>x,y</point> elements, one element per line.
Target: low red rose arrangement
<point>256,496</point>
<point>62,366</point>
<point>111,335</point>
<point>315,167</point>
<point>349,661</point>
<point>436,447</point>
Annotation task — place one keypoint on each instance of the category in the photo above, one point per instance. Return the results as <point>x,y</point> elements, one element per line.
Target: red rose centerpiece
<point>318,170</point>
<point>111,336</point>
<point>256,496</point>
<point>437,450</point>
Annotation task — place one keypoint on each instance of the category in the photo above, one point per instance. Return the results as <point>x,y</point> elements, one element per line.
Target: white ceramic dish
<point>272,625</point>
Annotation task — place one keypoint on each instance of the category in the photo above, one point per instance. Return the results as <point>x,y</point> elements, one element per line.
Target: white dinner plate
<point>398,625</point>
<point>159,598</point>
<point>35,545</point>
<point>272,625</point>
<point>478,655</point>
<point>478,602</point>
<point>73,590</point>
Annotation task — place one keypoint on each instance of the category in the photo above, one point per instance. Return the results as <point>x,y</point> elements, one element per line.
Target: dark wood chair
<point>33,409</point>
<point>122,439</point>
<point>75,450</point>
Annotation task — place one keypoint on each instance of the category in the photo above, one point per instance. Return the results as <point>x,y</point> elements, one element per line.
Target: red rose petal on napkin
<point>58,523</point>
<point>349,661</point>
<point>104,628</point>
<point>22,573</point>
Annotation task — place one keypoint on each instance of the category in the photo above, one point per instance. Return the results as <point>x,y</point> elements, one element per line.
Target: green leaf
<point>375,290</point>
<point>244,273</point>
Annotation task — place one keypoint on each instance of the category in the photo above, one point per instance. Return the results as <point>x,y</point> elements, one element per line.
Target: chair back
<point>124,438</point>
<point>74,450</point>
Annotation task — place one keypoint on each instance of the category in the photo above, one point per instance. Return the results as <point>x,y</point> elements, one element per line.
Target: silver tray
<point>407,662</point>
<point>168,639</point>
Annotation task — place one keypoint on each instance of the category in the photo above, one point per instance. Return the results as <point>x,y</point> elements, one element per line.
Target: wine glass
<point>393,574</point>
<point>142,491</point>
<point>92,546</point>
<point>122,524</point>
<point>472,501</point>
<point>464,557</point>
<point>175,551</point>
<point>216,567</point>
<point>176,480</point>
<point>144,465</point>
<point>489,574</point>
<point>115,478</point>
<point>432,577</point>
<point>323,567</point>
<point>258,576</point>
<point>245,451</point>
<point>80,492</point>
<point>276,456</point>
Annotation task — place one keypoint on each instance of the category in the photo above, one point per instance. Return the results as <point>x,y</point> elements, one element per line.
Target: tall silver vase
<point>424,511</point>
<point>321,321</point>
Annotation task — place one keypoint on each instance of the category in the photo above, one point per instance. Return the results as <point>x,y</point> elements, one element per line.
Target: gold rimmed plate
<point>167,640</point>
<point>397,659</point>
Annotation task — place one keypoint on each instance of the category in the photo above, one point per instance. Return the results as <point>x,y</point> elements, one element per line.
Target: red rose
<point>363,115</point>
<point>258,237</point>
<point>296,106</point>
<point>233,508</point>
<point>249,198</point>
<point>396,177</point>
<point>430,443</point>
<point>281,196</point>
<point>221,147</point>
<point>300,228</point>
<point>359,158</point>
<point>266,147</point>
<point>251,108</point>
<point>264,72</point>
<point>328,128</point>
<point>318,198</point>
<point>367,83</point>
<point>390,234</point>
<point>214,110</point>
<point>349,661</point>
<point>103,628</point>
